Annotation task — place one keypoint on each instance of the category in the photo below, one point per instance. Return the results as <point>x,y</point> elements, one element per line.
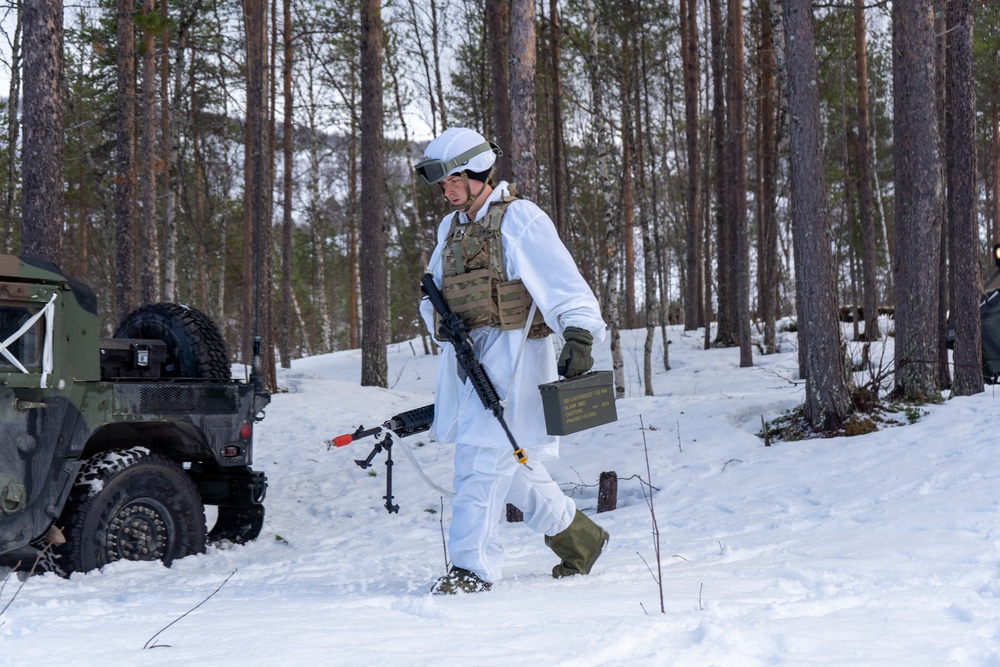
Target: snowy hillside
<point>877,550</point>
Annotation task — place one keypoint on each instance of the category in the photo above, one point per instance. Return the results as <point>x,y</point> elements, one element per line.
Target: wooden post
<point>607,492</point>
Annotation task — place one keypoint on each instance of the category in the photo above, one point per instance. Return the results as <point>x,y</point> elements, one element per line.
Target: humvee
<point>989,315</point>
<point>110,449</point>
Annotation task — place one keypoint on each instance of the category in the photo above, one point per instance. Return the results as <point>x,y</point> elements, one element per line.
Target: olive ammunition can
<point>578,404</point>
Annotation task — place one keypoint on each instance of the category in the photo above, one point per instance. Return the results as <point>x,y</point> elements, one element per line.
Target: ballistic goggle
<point>433,170</point>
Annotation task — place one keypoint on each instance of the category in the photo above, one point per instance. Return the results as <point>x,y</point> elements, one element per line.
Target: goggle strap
<point>454,162</point>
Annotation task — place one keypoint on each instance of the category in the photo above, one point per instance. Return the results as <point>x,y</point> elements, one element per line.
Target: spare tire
<point>195,346</point>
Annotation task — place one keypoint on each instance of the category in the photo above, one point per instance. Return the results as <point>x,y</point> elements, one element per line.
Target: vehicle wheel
<point>195,347</point>
<point>131,505</point>
<point>237,524</point>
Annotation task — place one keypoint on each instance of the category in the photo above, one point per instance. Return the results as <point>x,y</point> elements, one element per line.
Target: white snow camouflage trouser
<point>486,479</point>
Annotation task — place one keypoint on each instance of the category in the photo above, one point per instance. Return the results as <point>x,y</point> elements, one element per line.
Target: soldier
<point>497,254</point>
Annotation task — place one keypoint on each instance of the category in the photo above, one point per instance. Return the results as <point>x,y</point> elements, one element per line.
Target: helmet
<point>455,150</point>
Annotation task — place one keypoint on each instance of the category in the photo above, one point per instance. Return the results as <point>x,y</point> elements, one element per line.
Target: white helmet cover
<point>455,150</point>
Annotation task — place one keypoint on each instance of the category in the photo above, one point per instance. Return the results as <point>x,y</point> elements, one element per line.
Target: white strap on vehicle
<point>48,312</point>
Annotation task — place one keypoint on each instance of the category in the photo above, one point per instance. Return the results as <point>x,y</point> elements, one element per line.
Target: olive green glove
<point>575,357</point>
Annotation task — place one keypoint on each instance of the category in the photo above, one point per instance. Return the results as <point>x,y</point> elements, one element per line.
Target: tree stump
<point>607,492</point>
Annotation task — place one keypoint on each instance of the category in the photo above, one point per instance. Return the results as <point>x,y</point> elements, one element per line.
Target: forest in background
<point>662,138</point>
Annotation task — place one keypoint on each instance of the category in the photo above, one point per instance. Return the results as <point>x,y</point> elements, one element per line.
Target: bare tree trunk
<point>865,196</point>
<point>524,118</point>
<point>436,45</point>
<point>268,362</point>
<point>767,251</point>
<point>918,191</point>
<point>288,129</point>
<point>962,222</point>
<point>201,220</point>
<point>126,242</point>
<point>498,32</point>
<point>42,153</point>
<point>995,161</point>
<point>827,398</point>
<point>374,369</point>
<point>694,315</point>
<point>628,183</point>
<point>646,220</point>
<point>255,173</point>
<point>601,137</point>
<point>723,286</point>
<point>655,269</point>
<point>354,296</point>
<point>10,218</point>
<point>150,236</point>
<point>737,183</point>
<point>321,335</point>
<point>425,61</point>
<point>167,156</point>
<point>944,271</point>
<point>558,168</point>
<point>847,218</point>
<point>710,148</point>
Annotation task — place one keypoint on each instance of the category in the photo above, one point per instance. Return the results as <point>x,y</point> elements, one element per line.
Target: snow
<point>880,549</point>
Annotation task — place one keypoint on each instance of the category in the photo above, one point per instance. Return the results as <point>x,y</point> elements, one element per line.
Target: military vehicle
<point>989,314</point>
<point>111,448</point>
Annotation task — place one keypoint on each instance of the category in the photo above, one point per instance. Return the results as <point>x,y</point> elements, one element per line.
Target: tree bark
<point>150,236</point>
<point>167,157</point>
<point>827,398</point>
<point>374,369</point>
<point>918,200</point>
<point>498,32</point>
<point>288,129</point>
<point>603,178</point>
<point>256,200</point>
<point>558,167</point>
<point>866,197</point>
<point>694,312</point>
<point>126,241</point>
<point>425,62</point>
<point>628,182</point>
<point>944,271</point>
<point>42,152</point>
<point>767,224</point>
<point>736,185</point>
<point>995,160</point>
<point>10,219</point>
<point>354,296</point>
<point>524,119</point>
<point>723,286</point>
<point>962,222</point>
<point>436,46</point>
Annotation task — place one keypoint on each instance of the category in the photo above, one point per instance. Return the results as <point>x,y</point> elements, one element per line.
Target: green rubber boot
<point>579,546</point>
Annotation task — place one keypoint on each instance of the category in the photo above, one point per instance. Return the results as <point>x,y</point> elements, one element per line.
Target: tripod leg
<point>389,505</point>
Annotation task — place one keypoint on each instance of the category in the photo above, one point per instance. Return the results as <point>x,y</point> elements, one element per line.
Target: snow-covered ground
<point>882,549</point>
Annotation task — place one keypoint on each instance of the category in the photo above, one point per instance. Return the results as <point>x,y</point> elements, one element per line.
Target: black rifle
<point>402,425</point>
<point>453,330</point>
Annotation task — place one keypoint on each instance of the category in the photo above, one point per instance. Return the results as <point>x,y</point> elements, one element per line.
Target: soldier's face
<point>454,190</point>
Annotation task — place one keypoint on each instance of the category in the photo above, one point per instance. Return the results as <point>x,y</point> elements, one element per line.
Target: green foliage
<point>470,102</point>
<point>870,413</point>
